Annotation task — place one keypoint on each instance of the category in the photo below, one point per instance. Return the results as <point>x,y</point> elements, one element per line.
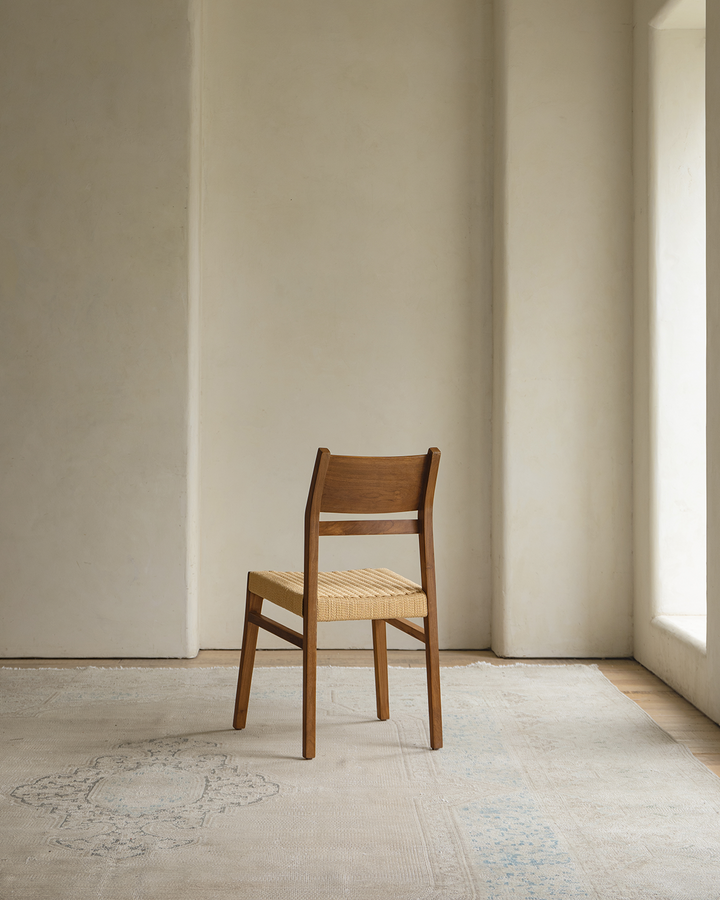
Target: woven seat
<point>364,486</point>
<point>345,596</point>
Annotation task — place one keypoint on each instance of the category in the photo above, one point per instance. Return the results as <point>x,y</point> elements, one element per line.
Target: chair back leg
<point>382,698</point>
<point>309,686</point>
<point>432,662</point>
<point>253,604</point>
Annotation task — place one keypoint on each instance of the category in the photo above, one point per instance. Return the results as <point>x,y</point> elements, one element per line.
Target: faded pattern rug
<point>129,784</point>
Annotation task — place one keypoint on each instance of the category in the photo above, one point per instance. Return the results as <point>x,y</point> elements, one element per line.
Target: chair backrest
<point>372,485</point>
<point>366,484</point>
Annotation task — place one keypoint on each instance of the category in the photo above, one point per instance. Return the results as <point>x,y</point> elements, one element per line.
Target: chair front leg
<point>382,697</point>
<point>253,603</point>
<point>309,685</point>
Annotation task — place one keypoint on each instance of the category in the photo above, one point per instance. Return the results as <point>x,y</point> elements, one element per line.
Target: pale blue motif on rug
<point>516,852</point>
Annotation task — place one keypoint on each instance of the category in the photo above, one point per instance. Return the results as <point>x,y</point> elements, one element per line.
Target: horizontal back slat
<point>361,484</point>
<point>370,526</point>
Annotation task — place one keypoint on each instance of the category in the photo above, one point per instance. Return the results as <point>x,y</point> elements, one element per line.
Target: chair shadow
<point>219,733</point>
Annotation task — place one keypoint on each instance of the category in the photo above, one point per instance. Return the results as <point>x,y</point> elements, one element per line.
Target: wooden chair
<point>356,485</point>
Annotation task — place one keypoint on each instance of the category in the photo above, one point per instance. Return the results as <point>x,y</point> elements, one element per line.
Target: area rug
<point>129,784</point>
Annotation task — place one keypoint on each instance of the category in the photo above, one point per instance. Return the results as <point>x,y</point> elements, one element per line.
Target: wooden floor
<point>678,717</point>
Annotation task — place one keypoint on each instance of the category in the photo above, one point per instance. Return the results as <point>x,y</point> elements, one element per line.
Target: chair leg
<point>253,603</point>
<point>432,661</point>
<point>309,686</point>
<point>381,668</point>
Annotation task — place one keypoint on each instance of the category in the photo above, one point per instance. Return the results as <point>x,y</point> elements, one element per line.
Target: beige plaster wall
<point>346,296</point>
<point>562,529</point>
<point>94,114</point>
<point>328,212</point>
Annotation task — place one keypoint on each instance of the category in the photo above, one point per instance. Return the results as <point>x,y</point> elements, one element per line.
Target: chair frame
<point>394,493</point>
